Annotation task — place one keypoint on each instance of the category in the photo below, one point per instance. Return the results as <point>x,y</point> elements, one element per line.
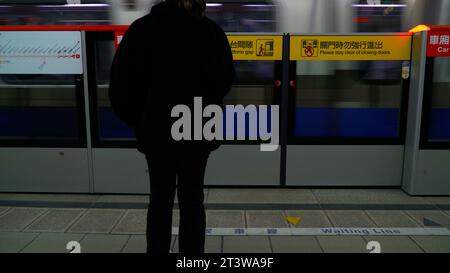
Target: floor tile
<point>342,244</point>
<point>437,217</point>
<point>16,219</point>
<point>395,244</point>
<point>103,243</point>
<point>309,219</point>
<point>133,222</point>
<point>266,219</point>
<point>386,218</point>
<point>225,219</point>
<point>295,244</point>
<point>350,218</point>
<point>285,196</point>
<point>3,210</point>
<point>365,196</point>
<point>213,244</point>
<point>56,220</point>
<point>97,221</point>
<point>173,243</point>
<point>136,244</point>
<point>433,244</point>
<point>52,243</point>
<point>176,218</point>
<point>13,242</point>
<point>246,244</point>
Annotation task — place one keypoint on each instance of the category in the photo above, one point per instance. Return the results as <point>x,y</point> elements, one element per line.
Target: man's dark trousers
<point>166,168</point>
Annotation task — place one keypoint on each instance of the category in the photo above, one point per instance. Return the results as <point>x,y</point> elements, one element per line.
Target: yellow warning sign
<point>256,48</point>
<point>350,47</point>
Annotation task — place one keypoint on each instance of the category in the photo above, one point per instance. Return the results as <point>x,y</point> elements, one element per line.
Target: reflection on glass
<point>38,107</point>
<point>439,122</point>
<point>253,83</point>
<point>339,99</point>
<point>14,12</point>
<point>235,17</point>
<point>110,127</point>
<point>241,17</point>
<point>380,18</point>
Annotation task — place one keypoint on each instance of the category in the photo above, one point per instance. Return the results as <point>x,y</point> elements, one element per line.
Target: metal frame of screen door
<point>426,168</point>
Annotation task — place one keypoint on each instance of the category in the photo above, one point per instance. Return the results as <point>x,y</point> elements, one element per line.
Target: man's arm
<point>126,91</point>
<point>225,66</point>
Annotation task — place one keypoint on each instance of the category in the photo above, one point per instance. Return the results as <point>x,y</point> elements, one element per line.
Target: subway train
<point>306,16</point>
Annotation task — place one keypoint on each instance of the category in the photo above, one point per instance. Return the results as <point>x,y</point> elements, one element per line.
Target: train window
<point>40,108</point>
<point>338,99</point>
<point>54,12</point>
<point>384,16</point>
<point>439,115</point>
<point>254,79</point>
<point>244,16</point>
<point>253,85</point>
<point>106,126</point>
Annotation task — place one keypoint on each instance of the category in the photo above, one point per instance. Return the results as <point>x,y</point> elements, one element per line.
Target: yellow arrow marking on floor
<point>293,220</point>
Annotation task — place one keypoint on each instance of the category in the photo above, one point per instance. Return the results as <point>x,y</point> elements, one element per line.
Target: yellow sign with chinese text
<point>256,48</point>
<point>350,48</point>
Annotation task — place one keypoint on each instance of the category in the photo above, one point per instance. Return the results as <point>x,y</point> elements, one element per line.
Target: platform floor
<point>116,223</point>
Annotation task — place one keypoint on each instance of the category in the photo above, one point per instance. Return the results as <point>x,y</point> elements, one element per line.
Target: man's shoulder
<point>146,20</point>
<point>213,26</point>
<point>142,21</point>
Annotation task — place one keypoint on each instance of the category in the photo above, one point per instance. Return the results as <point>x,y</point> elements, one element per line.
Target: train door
<point>43,136</point>
<point>347,109</point>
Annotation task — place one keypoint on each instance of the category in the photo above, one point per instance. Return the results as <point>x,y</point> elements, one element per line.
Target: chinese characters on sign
<point>307,48</point>
<point>256,48</point>
<point>438,44</point>
<point>351,45</point>
<point>439,39</point>
<point>242,47</point>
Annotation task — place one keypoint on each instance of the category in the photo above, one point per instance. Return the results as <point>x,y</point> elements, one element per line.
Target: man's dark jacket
<point>167,58</point>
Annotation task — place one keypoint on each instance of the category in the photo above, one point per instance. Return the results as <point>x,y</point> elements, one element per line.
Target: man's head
<point>193,7</point>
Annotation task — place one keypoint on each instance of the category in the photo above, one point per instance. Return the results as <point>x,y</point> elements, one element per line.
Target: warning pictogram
<point>264,48</point>
<point>309,48</point>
